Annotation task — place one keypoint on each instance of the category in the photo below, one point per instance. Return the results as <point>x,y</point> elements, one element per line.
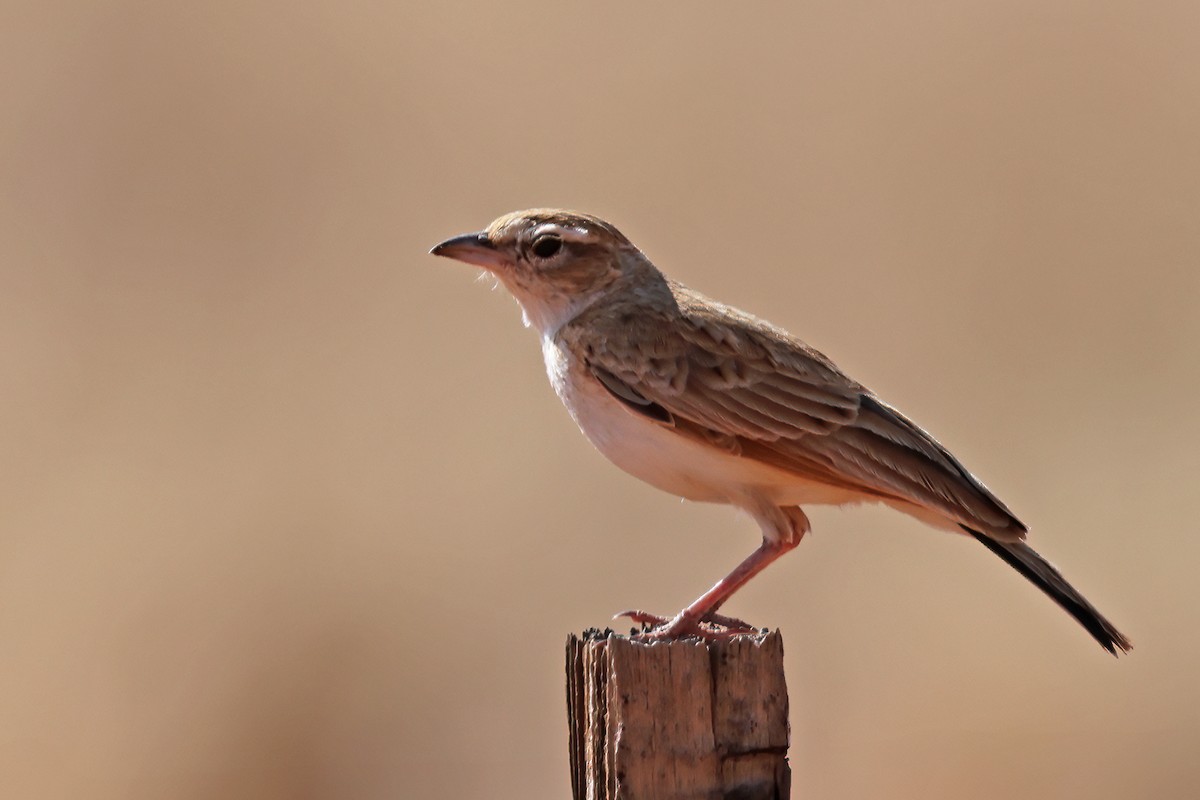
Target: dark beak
<point>472,248</point>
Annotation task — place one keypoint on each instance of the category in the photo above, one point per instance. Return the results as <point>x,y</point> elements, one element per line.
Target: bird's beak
<point>472,248</point>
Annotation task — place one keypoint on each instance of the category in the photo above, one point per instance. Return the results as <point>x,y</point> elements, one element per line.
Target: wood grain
<point>683,720</point>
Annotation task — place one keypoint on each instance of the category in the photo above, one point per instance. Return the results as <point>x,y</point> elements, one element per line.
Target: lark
<point>715,405</point>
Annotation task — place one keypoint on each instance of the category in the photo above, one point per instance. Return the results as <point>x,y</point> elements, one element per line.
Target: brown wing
<point>711,371</point>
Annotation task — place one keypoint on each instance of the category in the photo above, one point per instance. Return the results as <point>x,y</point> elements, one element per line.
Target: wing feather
<point>756,391</point>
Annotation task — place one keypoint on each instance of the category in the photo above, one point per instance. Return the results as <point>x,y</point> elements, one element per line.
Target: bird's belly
<point>655,454</point>
<point>667,460</point>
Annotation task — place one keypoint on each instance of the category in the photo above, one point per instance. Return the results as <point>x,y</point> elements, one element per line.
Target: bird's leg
<point>689,621</point>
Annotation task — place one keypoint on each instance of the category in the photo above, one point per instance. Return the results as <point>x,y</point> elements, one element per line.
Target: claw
<point>641,617</point>
<point>710,626</point>
<point>730,623</point>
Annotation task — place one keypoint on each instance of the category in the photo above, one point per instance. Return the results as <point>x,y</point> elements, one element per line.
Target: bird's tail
<point>1042,574</point>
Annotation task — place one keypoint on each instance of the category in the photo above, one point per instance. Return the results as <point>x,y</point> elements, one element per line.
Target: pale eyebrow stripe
<point>571,232</point>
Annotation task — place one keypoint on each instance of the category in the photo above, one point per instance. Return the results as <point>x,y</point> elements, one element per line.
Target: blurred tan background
<point>289,510</point>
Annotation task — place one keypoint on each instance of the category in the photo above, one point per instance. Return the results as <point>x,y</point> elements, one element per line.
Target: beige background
<point>289,511</point>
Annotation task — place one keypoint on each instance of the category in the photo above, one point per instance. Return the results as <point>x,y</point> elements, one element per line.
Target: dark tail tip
<point>1042,574</point>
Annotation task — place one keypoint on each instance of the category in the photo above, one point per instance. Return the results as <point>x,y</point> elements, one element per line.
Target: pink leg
<point>687,622</point>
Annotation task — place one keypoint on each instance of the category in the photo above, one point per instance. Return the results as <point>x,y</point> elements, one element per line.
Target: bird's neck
<point>548,312</point>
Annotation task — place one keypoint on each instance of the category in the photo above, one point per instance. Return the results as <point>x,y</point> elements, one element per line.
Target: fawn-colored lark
<point>712,404</point>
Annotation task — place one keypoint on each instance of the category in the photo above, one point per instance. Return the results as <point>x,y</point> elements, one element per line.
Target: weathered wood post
<point>684,720</point>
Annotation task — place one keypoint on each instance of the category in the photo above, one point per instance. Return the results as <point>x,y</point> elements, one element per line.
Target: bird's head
<point>555,262</point>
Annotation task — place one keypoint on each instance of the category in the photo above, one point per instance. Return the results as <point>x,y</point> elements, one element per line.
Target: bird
<point>713,404</point>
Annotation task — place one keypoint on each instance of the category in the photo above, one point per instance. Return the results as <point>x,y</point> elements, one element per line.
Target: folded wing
<point>711,371</point>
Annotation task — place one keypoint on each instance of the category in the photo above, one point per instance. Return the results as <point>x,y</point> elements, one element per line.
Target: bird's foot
<point>709,627</point>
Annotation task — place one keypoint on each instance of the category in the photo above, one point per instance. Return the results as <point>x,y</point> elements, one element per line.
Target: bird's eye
<point>547,245</point>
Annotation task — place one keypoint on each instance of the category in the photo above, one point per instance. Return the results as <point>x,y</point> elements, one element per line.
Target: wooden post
<point>684,720</point>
